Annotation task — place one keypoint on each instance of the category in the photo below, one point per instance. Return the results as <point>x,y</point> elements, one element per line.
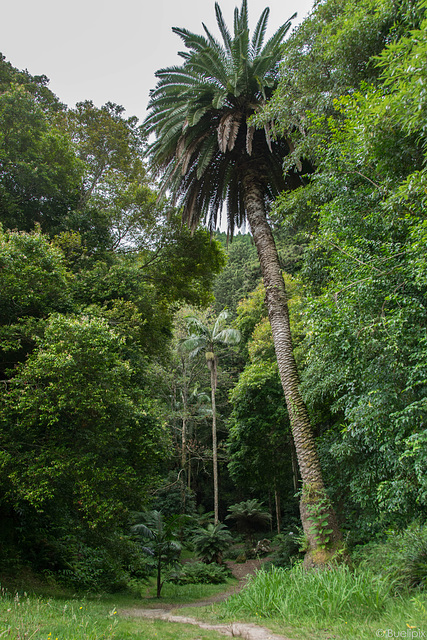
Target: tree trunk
<point>159,577</point>
<point>314,506</point>
<point>184,444</point>
<point>214,444</point>
<point>277,503</point>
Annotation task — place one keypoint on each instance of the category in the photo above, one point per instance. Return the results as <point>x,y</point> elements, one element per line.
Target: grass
<point>35,618</point>
<point>185,593</point>
<point>337,604</point>
<point>325,604</point>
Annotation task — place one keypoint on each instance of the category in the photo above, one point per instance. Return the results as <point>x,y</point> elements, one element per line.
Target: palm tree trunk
<point>313,499</point>
<point>214,444</point>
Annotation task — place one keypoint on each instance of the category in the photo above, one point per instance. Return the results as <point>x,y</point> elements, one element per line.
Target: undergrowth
<point>315,595</point>
<point>329,603</point>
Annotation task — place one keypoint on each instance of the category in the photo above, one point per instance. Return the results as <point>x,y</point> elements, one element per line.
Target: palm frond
<point>223,27</point>
<point>277,38</point>
<point>228,336</point>
<point>192,41</point>
<point>249,139</point>
<point>198,113</point>
<point>143,530</point>
<point>243,17</point>
<point>259,33</point>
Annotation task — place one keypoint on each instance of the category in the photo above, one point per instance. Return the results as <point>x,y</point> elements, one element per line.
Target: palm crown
<point>200,115</point>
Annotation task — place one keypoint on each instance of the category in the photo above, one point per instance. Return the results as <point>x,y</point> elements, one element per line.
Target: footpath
<point>247,631</point>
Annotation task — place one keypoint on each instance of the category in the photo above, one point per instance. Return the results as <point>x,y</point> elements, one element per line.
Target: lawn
<point>37,618</point>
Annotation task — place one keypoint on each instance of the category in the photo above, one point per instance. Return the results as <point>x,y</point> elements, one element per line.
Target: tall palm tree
<point>208,153</point>
<point>205,339</point>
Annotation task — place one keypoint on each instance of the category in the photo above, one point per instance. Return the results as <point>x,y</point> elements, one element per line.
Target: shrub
<point>249,517</point>
<point>211,542</point>
<point>105,565</point>
<point>287,549</point>
<point>200,573</point>
<point>401,558</point>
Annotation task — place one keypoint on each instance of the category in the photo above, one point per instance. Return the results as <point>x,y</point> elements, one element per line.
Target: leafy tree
<point>79,442</point>
<point>240,274</point>
<point>328,55</point>
<point>163,544</point>
<point>203,338</point>
<point>364,375</point>
<point>208,152</point>
<point>35,85</point>
<point>34,282</point>
<point>39,171</point>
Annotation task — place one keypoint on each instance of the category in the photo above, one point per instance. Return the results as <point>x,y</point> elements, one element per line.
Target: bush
<point>401,558</point>
<point>103,567</point>
<point>287,549</point>
<point>211,542</point>
<point>200,573</point>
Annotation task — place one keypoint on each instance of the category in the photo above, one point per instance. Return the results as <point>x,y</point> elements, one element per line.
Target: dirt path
<point>247,631</point>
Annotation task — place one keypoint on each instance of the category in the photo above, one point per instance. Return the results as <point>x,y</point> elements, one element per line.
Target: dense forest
<point>148,374</point>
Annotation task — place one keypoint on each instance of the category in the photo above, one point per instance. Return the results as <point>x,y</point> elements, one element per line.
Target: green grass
<point>36,618</point>
<point>185,593</point>
<point>338,603</point>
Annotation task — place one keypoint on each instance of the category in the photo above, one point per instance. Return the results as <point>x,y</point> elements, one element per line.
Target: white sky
<point>105,50</point>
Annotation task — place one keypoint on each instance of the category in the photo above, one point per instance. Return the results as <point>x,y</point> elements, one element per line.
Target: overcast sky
<point>104,50</point>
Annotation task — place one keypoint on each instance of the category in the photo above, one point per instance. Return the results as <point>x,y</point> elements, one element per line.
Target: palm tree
<point>211,542</point>
<point>163,544</point>
<point>208,153</point>
<point>250,517</point>
<point>204,338</point>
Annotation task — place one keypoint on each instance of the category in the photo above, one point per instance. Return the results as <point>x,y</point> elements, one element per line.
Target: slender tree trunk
<point>159,577</point>
<point>277,503</point>
<point>184,461</point>
<point>313,503</point>
<point>189,473</point>
<point>214,444</point>
<point>184,442</point>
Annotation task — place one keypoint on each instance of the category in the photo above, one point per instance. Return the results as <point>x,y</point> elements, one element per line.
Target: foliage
<point>319,524</point>
<point>34,282</point>
<point>162,536</point>
<point>249,516</point>
<point>205,338</point>
<point>401,557</point>
<point>259,444</point>
<point>286,549</point>
<point>102,566</point>
<point>329,55</point>
<point>211,542</point>
<point>200,573</point>
<point>200,113</point>
<point>240,274</point>
<point>259,428</point>
<point>173,497</point>
<point>39,172</point>
<point>362,351</point>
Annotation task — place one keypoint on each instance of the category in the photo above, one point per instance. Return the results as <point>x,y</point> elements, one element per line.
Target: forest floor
<point>248,631</point>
